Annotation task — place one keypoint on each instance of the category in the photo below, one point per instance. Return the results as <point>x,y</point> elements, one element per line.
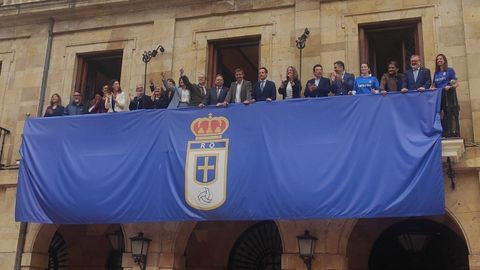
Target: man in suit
<point>198,92</point>
<point>417,78</point>
<point>215,95</point>
<point>264,90</point>
<point>342,82</point>
<point>319,86</point>
<point>140,101</point>
<point>240,90</point>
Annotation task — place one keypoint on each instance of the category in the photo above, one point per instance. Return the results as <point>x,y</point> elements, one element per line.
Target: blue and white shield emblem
<point>206,168</point>
<point>206,164</point>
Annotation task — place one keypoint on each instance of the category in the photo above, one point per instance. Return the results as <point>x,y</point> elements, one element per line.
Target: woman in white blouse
<point>291,86</point>
<point>118,102</point>
<point>181,96</point>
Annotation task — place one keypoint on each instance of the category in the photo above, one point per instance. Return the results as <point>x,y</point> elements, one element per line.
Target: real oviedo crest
<point>206,164</point>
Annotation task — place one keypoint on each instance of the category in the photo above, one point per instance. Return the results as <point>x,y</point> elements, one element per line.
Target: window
<point>381,43</point>
<point>227,55</point>
<point>94,70</point>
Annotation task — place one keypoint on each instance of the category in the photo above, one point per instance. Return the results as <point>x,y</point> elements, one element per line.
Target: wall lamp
<point>306,248</point>
<point>140,249</point>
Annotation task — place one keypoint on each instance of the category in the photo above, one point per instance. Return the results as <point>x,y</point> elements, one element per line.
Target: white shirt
<point>121,102</point>
<point>238,99</point>
<point>317,81</point>
<point>185,95</point>
<point>289,90</point>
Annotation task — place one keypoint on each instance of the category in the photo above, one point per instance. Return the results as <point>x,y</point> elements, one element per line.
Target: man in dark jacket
<point>76,106</point>
<point>198,92</point>
<point>319,86</point>
<point>342,82</point>
<point>140,101</point>
<point>417,78</point>
<point>217,94</point>
<point>264,90</point>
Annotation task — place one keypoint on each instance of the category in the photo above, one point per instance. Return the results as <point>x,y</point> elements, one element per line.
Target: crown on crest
<point>209,126</point>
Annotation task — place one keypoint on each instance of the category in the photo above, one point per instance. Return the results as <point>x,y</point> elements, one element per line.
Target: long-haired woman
<point>55,108</point>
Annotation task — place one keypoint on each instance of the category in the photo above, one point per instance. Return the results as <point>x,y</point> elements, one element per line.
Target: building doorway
<point>225,55</point>
<point>95,70</point>
<point>383,42</point>
<point>419,245</point>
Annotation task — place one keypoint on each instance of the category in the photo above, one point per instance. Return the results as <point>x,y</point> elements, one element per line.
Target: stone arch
<point>182,235</point>
<point>39,237</point>
<point>186,228</point>
<point>364,233</point>
<point>186,231</point>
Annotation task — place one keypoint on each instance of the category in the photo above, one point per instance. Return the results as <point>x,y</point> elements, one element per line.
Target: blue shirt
<point>364,85</point>
<point>442,78</point>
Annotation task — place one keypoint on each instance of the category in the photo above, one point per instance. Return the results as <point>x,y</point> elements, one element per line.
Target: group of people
<point>169,95</point>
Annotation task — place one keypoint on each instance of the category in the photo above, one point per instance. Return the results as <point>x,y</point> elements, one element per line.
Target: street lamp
<point>140,249</point>
<point>146,57</point>
<point>300,43</point>
<point>306,248</point>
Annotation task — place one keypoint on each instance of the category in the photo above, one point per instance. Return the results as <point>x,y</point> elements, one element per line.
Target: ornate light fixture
<point>306,248</point>
<point>146,57</point>
<point>140,249</point>
<point>300,44</point>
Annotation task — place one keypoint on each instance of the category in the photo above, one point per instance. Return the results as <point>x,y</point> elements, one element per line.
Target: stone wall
<point>449,27</point>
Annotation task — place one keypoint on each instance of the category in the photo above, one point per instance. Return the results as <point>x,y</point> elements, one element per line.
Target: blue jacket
<point>75,109</point>
<point>269,91</point>
<point>342,87</point>
<point>424,79</point>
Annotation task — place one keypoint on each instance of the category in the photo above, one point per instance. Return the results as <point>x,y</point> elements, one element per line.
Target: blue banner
<point>333,157</point>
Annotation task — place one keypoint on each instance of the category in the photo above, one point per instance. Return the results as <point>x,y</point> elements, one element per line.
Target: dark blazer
<point>269,91</point>
<point>138,103</point>
<point>322,90</point>
<point>162,101</point>
<point>297,88</point>
<point>424,79</point>
<point>341,87</point>
<point>196,96</point>
<point>212,98</point>
<point>58,111</point>
<point>245,93</point>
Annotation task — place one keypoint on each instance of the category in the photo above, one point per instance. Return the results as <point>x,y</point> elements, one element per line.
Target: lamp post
<point>300,43</point>
<point>140,249</point>
<point>146,57</point>
<point>306,248</point>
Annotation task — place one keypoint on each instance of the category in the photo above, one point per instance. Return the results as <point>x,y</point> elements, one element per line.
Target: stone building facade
<point>43,44</point>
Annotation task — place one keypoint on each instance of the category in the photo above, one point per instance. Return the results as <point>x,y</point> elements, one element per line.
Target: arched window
<point>57,253</point>
<point>258,248</point>
<point>419,245</point>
